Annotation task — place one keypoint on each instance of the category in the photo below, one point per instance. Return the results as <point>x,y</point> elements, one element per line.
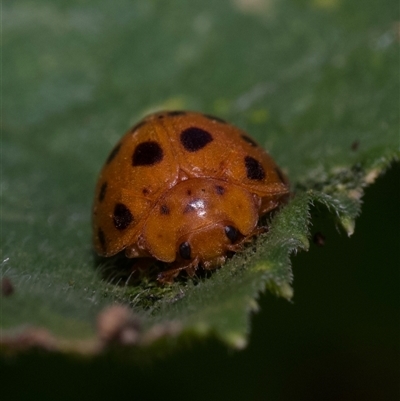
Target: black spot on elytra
<point>137,126</point>
<point>102,239</point>
<point>164,209</point>
<point>103,191</point>
<point>189,192</point>
<point>219,189</point>
<point>176,113</point>
<point>280,174</point>
<point>232,233</point>
<point>254,169</point>
<point>113,153</point>
<point>147,154</point>
<point>249,140</point>
<point>145,191</point>
<point>194,139</point>
<point>122,216</point>
<point>213,118</point>
<point>185,251</point>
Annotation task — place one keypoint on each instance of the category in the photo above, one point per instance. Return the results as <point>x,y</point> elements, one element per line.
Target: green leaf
<point>316,82</point>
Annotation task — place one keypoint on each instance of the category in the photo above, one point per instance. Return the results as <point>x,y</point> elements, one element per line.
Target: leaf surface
<point>315,82</point>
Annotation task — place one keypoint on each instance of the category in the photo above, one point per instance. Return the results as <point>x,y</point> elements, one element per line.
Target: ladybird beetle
<point>184,188</point>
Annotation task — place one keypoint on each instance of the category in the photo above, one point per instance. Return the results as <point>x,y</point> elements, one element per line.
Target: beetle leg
<point>257,231</point>
<point>167,276</point>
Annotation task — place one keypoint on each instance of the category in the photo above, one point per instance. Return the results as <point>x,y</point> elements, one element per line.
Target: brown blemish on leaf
<point>7,287</point>
<point>117,324</point>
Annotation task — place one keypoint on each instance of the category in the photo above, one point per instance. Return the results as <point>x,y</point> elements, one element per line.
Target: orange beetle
<point>184,188</point>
